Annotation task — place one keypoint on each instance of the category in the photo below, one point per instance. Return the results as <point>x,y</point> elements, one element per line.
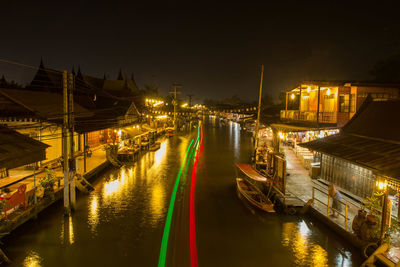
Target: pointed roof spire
<point>73,70</point>
<point>79,71</point>
<point>104,77</point>
<point>120,77</point>
<point>132,77</point>
<point>3,81</point>
<point>41,66</point>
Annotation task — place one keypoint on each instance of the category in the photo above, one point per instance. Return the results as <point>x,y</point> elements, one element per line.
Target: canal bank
<point>124,217</point>
<point>95,166</point>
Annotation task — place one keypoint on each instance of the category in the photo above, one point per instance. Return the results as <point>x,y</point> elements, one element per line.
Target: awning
<point>302,127</point>
<point>251,172</point>
<point>17,149</point>
<point>133,131</point>
<point>148,128</point>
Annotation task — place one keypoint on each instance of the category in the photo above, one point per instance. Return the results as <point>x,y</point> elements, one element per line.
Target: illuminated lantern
<point>328,92</point>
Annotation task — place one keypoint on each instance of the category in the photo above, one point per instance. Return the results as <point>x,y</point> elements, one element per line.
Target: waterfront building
<point>315,109</point>
<point>366,150</point>
<point>101,107</point>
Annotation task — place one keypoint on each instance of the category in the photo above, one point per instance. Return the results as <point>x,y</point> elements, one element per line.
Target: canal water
<point>122,222</point>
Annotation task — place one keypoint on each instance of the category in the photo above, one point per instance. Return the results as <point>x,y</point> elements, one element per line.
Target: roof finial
<point>41,66</point>
<point>120,75</point>
<point>73,70</point>
<point>104,77</point>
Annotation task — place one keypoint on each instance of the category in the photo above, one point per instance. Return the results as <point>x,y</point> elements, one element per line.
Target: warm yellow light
<point>184,105</point>
<point>281,135</point>
<point>292,96</point>
<point>381,185</point>
<point>308,89</point>
<point>328,92</point>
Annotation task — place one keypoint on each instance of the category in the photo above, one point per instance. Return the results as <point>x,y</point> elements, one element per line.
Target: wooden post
<point>286,96</point>
<point>258,112</point>
<point>327,210</point>
<point>71,136</point>
<point>84,151</point>
<point>300,105</point>
<point>65,137</point>
<point>319,96</point>
<point>384,214</point>
<point>346,214</point>
<point>313,196</point>
<point>34,185</point>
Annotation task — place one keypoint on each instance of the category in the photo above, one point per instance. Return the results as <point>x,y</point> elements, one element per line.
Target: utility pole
<point>259,110</point>
<point>175,101</point>
<point>71,121</point>
<point>190,100</point>
<point>65,139</point>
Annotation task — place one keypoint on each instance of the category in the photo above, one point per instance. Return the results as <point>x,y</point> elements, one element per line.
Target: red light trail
<point>192,218</point>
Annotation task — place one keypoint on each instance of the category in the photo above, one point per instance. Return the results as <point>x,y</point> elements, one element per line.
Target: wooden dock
<point>288,203</point>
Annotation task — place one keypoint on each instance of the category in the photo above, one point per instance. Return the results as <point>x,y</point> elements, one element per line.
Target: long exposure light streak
<point>167,227</point>
<point>192,218</point>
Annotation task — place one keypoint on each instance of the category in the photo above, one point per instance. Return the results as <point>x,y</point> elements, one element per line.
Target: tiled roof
<point>17,149</point>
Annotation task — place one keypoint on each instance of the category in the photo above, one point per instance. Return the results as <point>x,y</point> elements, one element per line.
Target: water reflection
<point>157,202</point>
<point>67,231</point>
<point>297,237</point>
<point>71,231</point>
<point>236,139</point>
<point>93,216</point>
<point>160,154</point>
<point>32,260</point>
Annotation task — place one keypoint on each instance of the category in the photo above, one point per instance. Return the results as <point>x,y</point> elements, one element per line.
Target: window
<point>352,103</point>
<point>329,103</point>
<point>344,103</point>
<point>347,103</point>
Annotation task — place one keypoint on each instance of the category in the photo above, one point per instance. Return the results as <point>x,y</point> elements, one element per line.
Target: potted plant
<point>48,181</point>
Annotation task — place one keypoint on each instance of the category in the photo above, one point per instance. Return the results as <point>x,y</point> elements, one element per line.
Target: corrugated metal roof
<point>17,149</point>
<point>377,119</point>
<point>378,155</point>
<point>370,139</point>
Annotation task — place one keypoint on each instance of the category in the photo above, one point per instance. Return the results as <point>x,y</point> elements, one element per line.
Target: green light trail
<point>164,242</point>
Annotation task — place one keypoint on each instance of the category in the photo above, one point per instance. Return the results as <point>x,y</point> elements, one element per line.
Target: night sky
<point>214,50</point>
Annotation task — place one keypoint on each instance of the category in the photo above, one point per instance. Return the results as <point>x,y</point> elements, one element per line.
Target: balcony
<point>309,116</point>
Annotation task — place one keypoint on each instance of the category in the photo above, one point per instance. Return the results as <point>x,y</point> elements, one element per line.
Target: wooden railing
<point>311,116</point>
<point>328,204</point>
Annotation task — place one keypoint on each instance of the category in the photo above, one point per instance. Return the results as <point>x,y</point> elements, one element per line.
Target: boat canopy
<point>252,173</point>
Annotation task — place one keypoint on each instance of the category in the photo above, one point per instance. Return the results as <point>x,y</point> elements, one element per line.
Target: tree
<point>387,70</point>
<point>267,100</point>
<point>150,90</point>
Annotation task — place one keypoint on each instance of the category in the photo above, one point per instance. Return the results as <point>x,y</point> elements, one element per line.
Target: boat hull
<point>254,195</point>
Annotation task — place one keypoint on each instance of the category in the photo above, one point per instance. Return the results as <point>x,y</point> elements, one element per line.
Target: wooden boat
<point>254,195</point>
<point>155,146</point>
<point>169,132</point>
